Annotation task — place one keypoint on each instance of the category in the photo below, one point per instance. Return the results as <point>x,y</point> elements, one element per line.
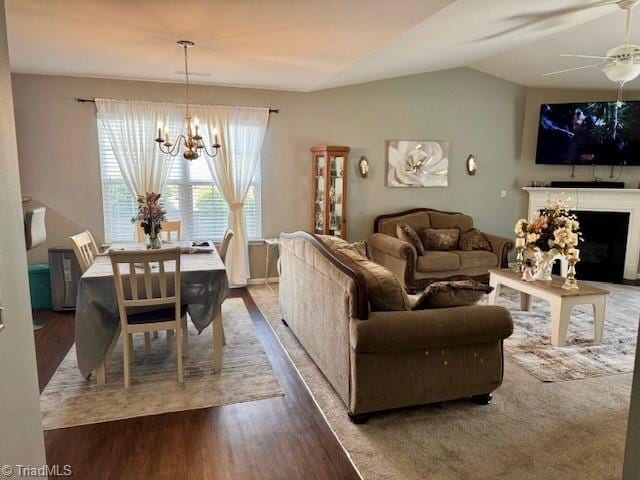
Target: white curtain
<point>241,132</point>
<point>131,129</point>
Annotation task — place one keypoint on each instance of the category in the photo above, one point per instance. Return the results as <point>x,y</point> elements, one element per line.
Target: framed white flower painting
<point>417,163</point>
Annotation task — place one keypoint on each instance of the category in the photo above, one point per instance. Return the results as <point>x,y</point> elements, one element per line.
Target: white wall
<point>21,440</point>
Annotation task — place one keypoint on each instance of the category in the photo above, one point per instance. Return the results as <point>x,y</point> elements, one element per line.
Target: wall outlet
<point>503,194</point>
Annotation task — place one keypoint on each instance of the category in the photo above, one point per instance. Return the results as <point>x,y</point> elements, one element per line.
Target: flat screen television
<point>594,133</point>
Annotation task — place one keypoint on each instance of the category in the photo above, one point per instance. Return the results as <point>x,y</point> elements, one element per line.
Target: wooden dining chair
<point>171,231</point>
<point>224,245</point>
<point>85,249</point>
<point>135,289</point>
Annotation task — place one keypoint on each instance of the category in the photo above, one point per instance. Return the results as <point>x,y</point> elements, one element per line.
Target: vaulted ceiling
<point>307,45</point>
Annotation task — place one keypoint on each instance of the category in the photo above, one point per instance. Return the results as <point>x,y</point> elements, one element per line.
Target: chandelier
<point>191,141</point>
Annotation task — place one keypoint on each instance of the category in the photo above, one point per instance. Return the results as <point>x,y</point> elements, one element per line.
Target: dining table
<point>203,284</point>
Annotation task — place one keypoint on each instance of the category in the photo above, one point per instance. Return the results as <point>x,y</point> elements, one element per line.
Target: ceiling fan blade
<point>531,19</point>
<point>579,55</point>
<point>571,69</point>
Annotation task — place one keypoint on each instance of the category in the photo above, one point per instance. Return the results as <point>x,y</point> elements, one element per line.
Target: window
<point>190,195</point>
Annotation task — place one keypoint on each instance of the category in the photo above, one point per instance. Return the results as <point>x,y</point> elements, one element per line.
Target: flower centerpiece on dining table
<point>151,214</point>
<point>553,233</point>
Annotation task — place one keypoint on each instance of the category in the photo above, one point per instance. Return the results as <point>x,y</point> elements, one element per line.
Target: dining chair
<point>224,245</point>
<point>171,231</point>
<point>85,249</point>
<point>135,289</point>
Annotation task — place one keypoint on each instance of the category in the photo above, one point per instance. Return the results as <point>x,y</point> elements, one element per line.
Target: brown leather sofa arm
<point>386,332</point>
<point>392,246</point>
<point>501,246</point>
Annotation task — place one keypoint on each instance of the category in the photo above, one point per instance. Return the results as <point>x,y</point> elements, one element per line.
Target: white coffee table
<point>562,301</point>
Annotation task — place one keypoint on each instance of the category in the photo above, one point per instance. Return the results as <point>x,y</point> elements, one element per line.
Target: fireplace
<point>603,251</point>
<point>611,224</point>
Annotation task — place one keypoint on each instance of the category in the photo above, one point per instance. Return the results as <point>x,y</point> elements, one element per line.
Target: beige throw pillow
<point>385,291</point>
<point>454,293</point>
<point>406,233</point>
<point>334,243</point>
<point>440,239</point>
<point>362,248</point>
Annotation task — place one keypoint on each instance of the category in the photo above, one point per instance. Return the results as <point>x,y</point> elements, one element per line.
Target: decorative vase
<point>544,263</point>
<point>153,237</point>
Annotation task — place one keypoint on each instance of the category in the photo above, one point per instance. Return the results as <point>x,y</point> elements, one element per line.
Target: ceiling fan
<point>621,64</point>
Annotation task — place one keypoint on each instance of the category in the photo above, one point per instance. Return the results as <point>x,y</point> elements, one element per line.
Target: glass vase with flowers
<point>151,215</point>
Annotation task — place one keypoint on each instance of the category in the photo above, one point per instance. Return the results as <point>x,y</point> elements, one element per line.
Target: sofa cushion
<point>477,259</point>
<point>438,262</point>
<point>456,293</point>
<point>451,220</point>
<point>440,239</point>
<point>384,290</point>
<point>415,220</point>
<point>473,240</point>
<point>407,234</point>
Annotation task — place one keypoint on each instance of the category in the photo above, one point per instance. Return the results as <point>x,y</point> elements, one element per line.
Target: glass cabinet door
<point>336,195</point>
<point>319,200</point>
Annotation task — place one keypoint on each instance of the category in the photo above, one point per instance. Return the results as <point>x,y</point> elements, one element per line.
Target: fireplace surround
<point>608,244</point>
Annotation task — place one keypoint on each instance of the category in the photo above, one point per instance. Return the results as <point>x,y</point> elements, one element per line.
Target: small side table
<point>269,242</point>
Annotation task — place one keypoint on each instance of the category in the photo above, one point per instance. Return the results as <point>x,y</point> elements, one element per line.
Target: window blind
<point>191,196</point>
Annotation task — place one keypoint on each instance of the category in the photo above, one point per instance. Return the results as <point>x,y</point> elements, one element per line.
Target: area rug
<point>246,375</point>
<point>530,345</point>
<point>532,430</point>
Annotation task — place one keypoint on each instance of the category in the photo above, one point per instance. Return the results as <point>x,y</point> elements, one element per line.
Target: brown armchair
<point>417,271</point>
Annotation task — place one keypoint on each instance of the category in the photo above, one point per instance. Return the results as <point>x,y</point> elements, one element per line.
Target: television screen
<point>595,133</point>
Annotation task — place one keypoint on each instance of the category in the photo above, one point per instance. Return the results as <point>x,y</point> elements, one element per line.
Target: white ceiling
<point>307,45</point>
<point>527,63</point>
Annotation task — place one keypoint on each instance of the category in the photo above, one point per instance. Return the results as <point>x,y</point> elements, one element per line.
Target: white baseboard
<point>261,281</point>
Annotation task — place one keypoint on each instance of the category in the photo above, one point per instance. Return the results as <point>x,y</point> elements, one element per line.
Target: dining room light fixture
<point>191,141</point>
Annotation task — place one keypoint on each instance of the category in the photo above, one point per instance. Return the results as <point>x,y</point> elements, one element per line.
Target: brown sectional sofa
<point>384,360</point>
<point>417,271</point>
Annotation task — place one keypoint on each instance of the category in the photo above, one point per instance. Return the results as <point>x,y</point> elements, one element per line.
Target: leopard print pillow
<point>472,240</point>
<point>406,233</point>
<point>440,239</point>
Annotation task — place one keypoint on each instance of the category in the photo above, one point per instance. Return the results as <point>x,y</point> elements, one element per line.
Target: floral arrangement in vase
<point>554,232</point>
<point>151,214</point>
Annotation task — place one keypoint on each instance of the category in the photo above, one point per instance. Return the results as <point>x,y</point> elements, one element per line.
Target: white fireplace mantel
<point>599,200</point>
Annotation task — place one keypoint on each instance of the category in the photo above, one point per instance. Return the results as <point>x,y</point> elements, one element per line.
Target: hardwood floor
<point>279,438</point>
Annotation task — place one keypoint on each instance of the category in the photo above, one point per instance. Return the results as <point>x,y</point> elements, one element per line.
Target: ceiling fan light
<point>621,71</point>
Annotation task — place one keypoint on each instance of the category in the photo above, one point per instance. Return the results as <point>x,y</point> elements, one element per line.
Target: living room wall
<point>477,113</point>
